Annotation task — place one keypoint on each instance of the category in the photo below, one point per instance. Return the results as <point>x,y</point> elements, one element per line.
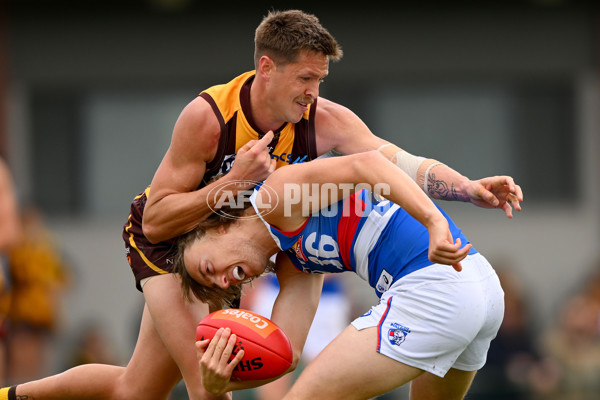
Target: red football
<point>267,349</point>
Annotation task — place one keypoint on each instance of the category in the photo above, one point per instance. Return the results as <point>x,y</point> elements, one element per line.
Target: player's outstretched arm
<point>328,180</point>
<point>342,130</point>
<point>444,183</point>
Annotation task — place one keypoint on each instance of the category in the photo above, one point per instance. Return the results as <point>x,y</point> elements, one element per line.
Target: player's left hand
<point>496,192</point>
<point>213,358</point>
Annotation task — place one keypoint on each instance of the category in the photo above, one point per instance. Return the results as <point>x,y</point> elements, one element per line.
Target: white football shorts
<point>437,318</point>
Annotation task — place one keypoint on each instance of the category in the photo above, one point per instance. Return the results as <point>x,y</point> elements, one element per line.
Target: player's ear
<point>266,65</point>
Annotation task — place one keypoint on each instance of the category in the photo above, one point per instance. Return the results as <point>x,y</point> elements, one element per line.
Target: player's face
<point>223,259</point>
<point>293,87</point>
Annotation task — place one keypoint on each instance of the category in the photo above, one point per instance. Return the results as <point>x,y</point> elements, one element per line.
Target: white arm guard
<point>405,161</point>
<point>408,163</point>
<point>417,168</point>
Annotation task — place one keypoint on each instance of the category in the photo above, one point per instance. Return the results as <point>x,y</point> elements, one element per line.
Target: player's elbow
<point>151,232</point>
<point>296,355</point>
<point>374,157</point>
<point>367,161</point>
<point>294,364</point>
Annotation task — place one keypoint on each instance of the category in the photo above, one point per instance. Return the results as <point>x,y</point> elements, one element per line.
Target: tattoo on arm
<point>439,189</point>
<point>24,397</point>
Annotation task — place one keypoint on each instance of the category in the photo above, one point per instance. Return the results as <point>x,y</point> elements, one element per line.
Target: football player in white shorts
<point>434,323</point>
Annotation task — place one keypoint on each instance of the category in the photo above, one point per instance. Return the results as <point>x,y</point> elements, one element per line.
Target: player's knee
<point>124,389</point>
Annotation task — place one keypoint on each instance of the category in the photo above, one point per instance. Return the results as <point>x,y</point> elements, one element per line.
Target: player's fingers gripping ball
<point>267,349</point>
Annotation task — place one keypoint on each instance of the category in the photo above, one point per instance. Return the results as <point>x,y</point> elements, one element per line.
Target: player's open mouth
<point>238,273</point>
<point>304,104</point>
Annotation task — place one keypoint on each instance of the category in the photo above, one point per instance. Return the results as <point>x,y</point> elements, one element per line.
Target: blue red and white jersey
<point>363,233</point>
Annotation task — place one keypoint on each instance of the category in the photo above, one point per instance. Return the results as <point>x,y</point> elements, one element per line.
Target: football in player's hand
<point>267,349</point>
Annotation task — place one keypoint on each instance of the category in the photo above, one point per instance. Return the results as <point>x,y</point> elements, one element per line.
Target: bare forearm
<point>402,190</point>
<point>433,177</point>
<point>177,213</point>
<point>442,182</point>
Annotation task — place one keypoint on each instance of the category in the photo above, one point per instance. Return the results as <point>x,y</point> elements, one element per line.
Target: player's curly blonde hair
<point>282,35</point>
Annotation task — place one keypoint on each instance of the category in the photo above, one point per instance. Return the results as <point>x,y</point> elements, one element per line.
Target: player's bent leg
<point>151,373</point>
<point>90,381</point>
<point>165,347</point>
<point>453,386</point>
<point>351,368</point>
<point>176,321</point>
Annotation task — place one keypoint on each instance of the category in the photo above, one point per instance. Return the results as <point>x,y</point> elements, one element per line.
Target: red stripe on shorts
<point>387,309</point>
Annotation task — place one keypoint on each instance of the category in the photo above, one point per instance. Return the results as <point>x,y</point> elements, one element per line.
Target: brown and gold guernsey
<point>292,144</point>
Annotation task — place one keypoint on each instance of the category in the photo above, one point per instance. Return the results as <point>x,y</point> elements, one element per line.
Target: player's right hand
<point>253,161</point>
<point>496,192</point>
<point>214,360</point>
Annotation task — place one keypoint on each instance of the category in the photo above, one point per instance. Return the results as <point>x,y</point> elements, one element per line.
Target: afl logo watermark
<point>229,198</point>
<point>397,334</point>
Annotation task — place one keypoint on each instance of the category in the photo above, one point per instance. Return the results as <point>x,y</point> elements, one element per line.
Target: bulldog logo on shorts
<point>397,334</point>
